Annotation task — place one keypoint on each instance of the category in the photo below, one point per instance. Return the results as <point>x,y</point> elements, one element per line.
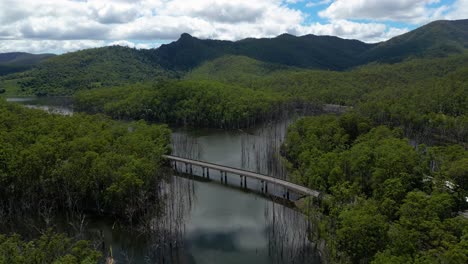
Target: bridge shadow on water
<point>253,187</point>
<point>235,220</point>
<point>241,224</point>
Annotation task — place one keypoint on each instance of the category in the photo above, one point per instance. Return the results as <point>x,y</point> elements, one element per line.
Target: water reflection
<point>203,221</point>
<point>53,105</point>
<point>229,225</point>
<point>255,149</point>
<point>222,225</point>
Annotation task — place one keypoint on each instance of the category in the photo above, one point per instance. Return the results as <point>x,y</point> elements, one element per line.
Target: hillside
<point>87,69</point>
<point>435,39</point>
<point>20,61</point>
<point>319,52</point>
<point>334,87</point>
<point>232,69</point>
<point>111,66</point>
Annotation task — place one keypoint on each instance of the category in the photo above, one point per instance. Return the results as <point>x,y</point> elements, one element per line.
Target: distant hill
<point>232,68</point>
<point>320,52</point>
<point>334,87</point>
<point>109,66</point>
<point>22,58</point>
<point>91,68</point>
<point>188,52</point>
<point>436,39</point>
<point>20,61</point>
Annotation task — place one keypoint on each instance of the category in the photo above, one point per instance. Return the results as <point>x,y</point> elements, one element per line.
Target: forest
<point>390,201</point>
<point>426,97</point>
<point>186,103</point>
<point>54,165</point>
<point>393,168</point>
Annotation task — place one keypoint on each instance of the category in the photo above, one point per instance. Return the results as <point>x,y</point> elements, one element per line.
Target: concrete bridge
<point>206,166</point>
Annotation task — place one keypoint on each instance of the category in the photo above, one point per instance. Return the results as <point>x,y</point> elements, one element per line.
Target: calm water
<point>209,222</point>
<point>56,105</point>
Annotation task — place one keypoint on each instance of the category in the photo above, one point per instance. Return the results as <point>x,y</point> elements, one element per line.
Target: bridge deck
<point>289,185</point>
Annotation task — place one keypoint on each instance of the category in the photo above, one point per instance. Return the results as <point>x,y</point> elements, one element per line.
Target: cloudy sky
<point>60,26</point>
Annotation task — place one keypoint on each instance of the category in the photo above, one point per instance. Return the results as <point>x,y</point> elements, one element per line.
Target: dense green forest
<point>48,248</point>
<point>87,69</point>
<point>193,103</point>
<point>427,97</point>
<point>53,165</point>
<point>84,163</point>
<point>389,198</point>
<point>390,202</point>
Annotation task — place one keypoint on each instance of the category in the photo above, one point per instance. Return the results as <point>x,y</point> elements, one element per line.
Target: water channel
<point>206,221</point>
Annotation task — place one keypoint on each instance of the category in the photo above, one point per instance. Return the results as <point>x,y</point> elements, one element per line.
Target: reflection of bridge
<point>243,174</point>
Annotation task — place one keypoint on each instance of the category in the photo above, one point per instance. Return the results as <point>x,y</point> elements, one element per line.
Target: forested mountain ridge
<point>435,39</point>
<point>12,62</point>
<point>320,52</point>
<point>21,58</point>
<point>110,66</point>
<point>91,68</point>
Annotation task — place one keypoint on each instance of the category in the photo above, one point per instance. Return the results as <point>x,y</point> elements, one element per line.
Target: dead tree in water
<point>287,237</point>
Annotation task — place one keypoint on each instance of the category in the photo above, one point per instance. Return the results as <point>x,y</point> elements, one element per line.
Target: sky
<point>60,26</point>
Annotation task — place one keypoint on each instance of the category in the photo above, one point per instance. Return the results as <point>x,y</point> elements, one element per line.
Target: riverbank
<point>205,222</point>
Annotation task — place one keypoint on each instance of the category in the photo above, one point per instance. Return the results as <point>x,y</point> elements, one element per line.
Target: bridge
<point>289,186</point>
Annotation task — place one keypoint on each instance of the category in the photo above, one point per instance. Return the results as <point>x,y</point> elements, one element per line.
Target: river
<point>206,221</point>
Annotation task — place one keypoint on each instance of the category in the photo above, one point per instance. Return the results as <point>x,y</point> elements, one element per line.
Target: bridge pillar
<point>186,167</point>
<point>208,173</point>
<point>221,175</point>
<point>225,177</point>
<point>266,187</point>
<point>245,182</point>
<point>203,171</point>
<point>241,182</point>
<point>191,171</point>
<point>175,166</point>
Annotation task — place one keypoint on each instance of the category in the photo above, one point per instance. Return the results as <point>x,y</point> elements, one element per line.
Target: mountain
<point>22,58</point>
<point>310,51</point>
<point>335,87</point>
<point>189,52</point>
<point>91,68</point>
<point>110,66</point>
<point>436,39</point>
<point>20,61</point>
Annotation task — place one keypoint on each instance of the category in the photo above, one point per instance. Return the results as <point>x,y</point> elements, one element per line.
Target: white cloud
<point>459,10</point>
<point>126,43</point>
<point>293,1</point>
<point>58,22</point>
<point>48,46</point>
<point>318,3</point>
<point>371,32</point>
<point>66,28</point>
<point>411,11</point>
<point>109,13</point>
